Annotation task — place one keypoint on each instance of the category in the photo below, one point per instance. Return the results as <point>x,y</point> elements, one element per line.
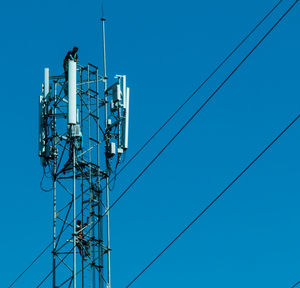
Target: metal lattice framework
<point>79,159</point>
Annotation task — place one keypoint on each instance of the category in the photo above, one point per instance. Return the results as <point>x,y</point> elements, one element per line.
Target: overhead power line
<point>35,259</point>
<point>203,105</point>
<point>213,202</point>
<point>196,113</point>
<point>47,276</point>
<point>199,87</point>
<point>296,284</point>
<point>172,116</point>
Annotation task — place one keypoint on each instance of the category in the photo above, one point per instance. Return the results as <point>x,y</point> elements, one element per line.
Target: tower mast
<point>103,19</point>
<point>72,138</point>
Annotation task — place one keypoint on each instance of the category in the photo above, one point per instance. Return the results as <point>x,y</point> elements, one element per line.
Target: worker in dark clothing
<point>81,243</point>
<point>71,55</point>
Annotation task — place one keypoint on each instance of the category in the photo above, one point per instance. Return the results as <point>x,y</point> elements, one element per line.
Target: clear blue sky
<point>251,237</point>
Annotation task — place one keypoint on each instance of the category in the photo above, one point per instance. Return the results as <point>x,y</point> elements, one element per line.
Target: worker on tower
<point>81,243</point>
<point>71,55</point>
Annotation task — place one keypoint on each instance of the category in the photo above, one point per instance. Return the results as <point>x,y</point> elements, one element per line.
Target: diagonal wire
<point>47,276</point>
<point>199,87</point>
<point>204,104</point>
<point>46,248</point>
<point>213,201</point>
<point>180,107</point>
<point>30,265</point>
<point>296,284</point>
<point>181,129</point>
<point>197,111</point>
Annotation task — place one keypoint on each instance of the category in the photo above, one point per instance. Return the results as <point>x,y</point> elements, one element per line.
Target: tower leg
<point>74,217</point>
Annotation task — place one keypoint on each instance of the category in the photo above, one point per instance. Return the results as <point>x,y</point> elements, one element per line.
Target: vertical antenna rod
<point>108,284</point>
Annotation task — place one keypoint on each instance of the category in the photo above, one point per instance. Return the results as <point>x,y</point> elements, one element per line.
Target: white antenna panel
<point>41,134</point>
<point>72,115</point>
<point>124,90</point>
<point>126,121</point>
<point>46,82</point>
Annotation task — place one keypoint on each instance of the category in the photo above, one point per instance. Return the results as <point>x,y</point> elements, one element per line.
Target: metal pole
<point>98,183</point>
<point>108,235</point>
<point>54,219</point>
<point>54,193</point>
<point>91,196</point>
<point>107,168</point>
<point>74,216</point>
<point>82,189</point>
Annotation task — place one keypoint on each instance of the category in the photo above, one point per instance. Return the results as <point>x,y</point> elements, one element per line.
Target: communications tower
<point>83,134</point>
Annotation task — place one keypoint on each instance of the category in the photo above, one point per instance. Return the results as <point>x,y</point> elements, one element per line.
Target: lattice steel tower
<point>83,133</point>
